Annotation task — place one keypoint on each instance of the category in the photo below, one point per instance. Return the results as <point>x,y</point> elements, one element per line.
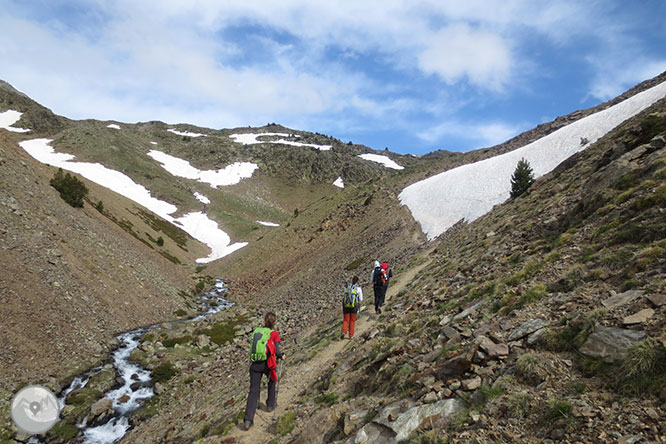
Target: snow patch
<point>113,126</point>
<point>470,191</point>
<point>10,117</point>
<point>229,175</point>
<point>201,198</point>
<point>153,143</point>
<point>197,225</point>
<point>252,139</point>
<point>339,183</point>
<point>185,133</point>
<point>268,224</point>
<point>384,160</point>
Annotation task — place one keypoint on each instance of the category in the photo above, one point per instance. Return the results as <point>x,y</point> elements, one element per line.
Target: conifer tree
<point>521,179</point>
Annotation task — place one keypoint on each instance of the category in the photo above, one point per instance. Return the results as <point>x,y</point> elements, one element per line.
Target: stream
<point>137,386</point>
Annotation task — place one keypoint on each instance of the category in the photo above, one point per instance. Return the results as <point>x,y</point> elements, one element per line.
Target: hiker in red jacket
<point>264,352</point>
<point>351,303</point>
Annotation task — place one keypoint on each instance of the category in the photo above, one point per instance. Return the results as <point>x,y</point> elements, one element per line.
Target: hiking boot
<point>247,424</point>
<point>342,336</point>
<point>379,311</point>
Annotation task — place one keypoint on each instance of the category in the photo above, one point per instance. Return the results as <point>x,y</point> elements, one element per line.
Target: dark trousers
<point>380,294</point>
<point>257,370</point>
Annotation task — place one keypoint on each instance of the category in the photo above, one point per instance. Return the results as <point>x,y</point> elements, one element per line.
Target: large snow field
<point>10,117</point>
<point>252,139</point>
<point>470,191</point>
<point>197,225</point>
<point>384,160</point>
<point>229,175</point>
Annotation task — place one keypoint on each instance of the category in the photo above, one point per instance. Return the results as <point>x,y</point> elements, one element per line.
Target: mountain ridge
<point>326,235</point>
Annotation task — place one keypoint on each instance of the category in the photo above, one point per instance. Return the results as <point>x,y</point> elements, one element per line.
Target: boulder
<point>491,348</point>
<point>384,430</point>
<point>657,299</point>
<point>526,328</point>
<point>456,366</point>
<point>623,298</point>
<point>203,341</point>
<point>101,406</point>
<point>468,311</point>
<point>471,384</point>
<point>607,342</point>
<point>639,318</point>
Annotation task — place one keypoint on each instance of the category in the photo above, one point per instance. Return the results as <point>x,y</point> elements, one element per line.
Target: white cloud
<point>460,51</point>
<point>484,135</point>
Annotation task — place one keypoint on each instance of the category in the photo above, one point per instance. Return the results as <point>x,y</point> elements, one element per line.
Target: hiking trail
<point>296,379</point>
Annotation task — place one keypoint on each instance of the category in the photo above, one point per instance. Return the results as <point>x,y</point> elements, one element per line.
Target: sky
<point>411,76</point>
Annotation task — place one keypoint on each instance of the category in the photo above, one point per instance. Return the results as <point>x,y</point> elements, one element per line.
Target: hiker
<point>351,302</point>
<point>264,352</point>
<point>380,281</point>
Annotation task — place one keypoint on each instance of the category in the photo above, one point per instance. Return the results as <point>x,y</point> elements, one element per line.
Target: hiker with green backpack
<point>264,353</point>
<point>351,302</point>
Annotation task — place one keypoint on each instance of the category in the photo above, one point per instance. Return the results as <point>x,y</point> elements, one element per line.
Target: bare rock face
<point>607,342</point>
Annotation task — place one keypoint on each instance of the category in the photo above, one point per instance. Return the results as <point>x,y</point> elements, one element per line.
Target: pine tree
<point>71,189</point>
<point>521,179</point>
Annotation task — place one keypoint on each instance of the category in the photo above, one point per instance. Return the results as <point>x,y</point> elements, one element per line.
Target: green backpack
<point>260,337</point>
<point>350,299</point>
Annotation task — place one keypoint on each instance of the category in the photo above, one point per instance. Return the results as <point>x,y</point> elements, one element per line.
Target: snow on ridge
<point>339,182</point>
<point>268,224</point>
<point>113,126</point>
<point>186,133</point>
<point>384,160</point>
<point>197,225</point>
<point>253,138</point>
<point>10,117</point>
<point>470,191</point>
<point>229,175</point>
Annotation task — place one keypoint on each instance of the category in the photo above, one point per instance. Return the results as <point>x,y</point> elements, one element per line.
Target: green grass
<point>329,398</point>
<point>286,424</point>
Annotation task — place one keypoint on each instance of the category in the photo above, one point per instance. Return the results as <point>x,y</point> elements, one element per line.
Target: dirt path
<point>305,374</point>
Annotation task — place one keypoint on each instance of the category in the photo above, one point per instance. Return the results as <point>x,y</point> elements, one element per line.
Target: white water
<point>119,423</point>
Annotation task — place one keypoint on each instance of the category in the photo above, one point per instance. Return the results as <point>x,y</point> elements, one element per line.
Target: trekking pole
<point>277,387</point>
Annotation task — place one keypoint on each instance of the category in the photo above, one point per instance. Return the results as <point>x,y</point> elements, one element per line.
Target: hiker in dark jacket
<point>264,362</point>
<point>380,281</point>
<point>351,302</point>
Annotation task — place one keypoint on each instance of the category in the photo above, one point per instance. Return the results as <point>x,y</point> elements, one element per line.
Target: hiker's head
<point>269,320</point>
<point>355,280</point>
<point>376,264</point>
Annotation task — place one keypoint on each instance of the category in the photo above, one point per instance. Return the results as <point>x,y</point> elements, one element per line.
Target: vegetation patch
<point>355,264</point>
<point>223,331</point>
<point>164,372</point>
<point>286,424</point>
<point>71,189</point>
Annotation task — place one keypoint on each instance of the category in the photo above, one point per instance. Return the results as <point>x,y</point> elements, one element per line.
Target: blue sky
<point>413,76</point>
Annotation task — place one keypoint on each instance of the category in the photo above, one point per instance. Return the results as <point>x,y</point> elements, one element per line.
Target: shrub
<point>100,206</point>
<point>164,372</point>
<point>558,408</point>
<point>160,241</point>
<point>521,179</point>
<point>71,189</point>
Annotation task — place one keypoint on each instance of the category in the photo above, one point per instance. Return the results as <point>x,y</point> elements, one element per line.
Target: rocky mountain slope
<point>494,332</point>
